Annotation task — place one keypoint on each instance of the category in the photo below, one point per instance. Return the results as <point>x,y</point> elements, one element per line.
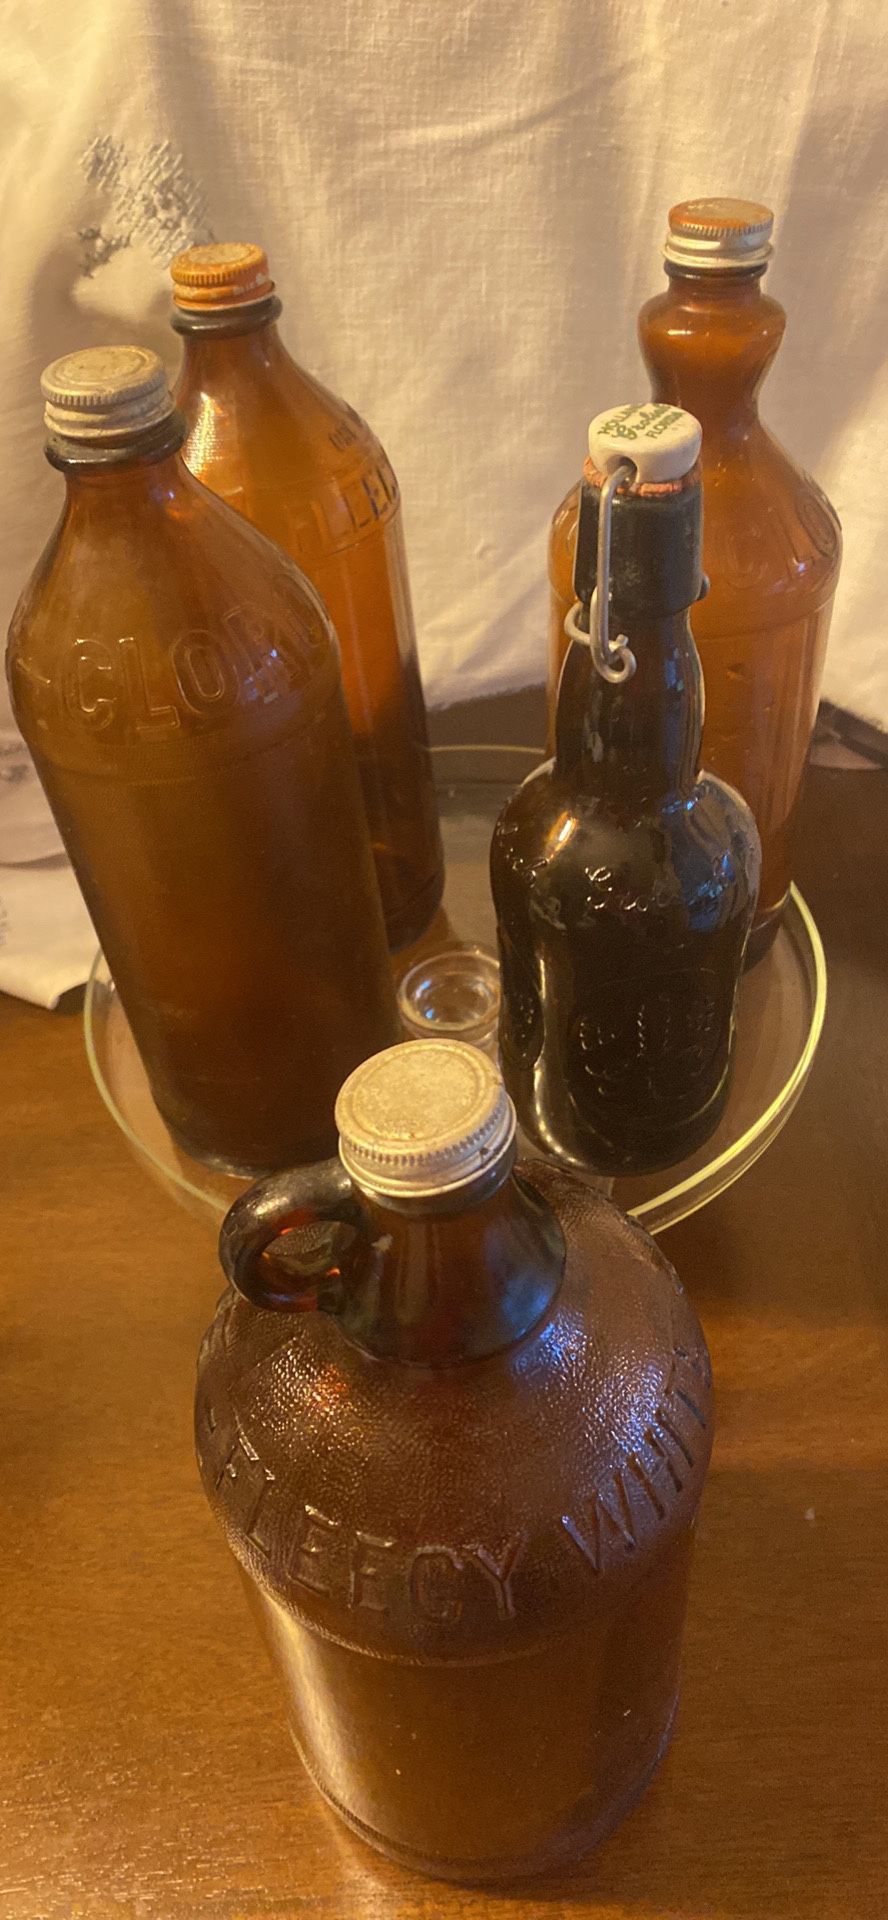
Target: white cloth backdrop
<point>463,201</point>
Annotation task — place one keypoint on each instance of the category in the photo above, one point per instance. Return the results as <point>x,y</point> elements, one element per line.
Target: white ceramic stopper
<point>662,441</point>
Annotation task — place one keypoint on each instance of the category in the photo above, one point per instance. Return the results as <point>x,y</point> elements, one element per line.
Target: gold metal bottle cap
<point>423,1118</point>
<point>105,393</point>
<point>717,235</point>
<point>232,273</point>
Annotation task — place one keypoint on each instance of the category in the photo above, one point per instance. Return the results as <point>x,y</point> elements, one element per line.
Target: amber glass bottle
<point>772,543</point>
<point>462,1488</point>
<point>308,473</point>
<point>624,880</point>
<point>177,682</point>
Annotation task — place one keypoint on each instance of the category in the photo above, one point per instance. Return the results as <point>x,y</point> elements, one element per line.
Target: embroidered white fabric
<point>464,208</point>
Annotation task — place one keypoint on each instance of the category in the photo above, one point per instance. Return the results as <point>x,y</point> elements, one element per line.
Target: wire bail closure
<point>612,658</point>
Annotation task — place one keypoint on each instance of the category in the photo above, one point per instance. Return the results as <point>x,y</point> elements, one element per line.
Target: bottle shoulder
<point>308,435</point>
<point>732,821</point>
<point>468,1472</point>
<point>142,632</point>
<point>772,541</point>
<point>563,539</point>
<point>552,829</point>
<point>292,458</point>
<point>695,863</point>
<point>711,330</point>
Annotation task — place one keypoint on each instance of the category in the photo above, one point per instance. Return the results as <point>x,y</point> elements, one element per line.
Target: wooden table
<point>145,1771</point>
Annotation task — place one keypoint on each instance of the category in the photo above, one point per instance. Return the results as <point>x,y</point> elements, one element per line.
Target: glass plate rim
<point>669,1207</point>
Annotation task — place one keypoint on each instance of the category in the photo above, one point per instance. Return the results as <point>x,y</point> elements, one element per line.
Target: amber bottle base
<point>646,1156</point>
<point>243,1169</point>
<point>764,933</point>
<point>580,1838</point>
<point>404,927</point>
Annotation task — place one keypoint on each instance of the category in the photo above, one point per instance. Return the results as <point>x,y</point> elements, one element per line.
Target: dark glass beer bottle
<point>308,472</point>
<point>177,682</point>
<point>625,880</point>
<point>772,543</point>
<point>458,1457</point>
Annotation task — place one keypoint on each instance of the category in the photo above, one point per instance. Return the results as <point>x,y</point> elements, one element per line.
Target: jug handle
<point>299,1197</point>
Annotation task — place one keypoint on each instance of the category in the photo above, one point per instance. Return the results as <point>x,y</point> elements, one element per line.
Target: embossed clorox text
<point>127,689</point>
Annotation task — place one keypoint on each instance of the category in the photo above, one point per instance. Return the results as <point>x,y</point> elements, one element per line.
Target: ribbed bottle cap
<point>105,393</point>
<point>718,235</point>
<point>233,274</point>
<point>662,441</point>
<point>423,1118</point>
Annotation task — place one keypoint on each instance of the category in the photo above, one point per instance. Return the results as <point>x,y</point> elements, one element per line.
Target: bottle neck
<point>437,1283</point>
<point>736,286</point>
<point>636,744</point>
<point>708,343</point>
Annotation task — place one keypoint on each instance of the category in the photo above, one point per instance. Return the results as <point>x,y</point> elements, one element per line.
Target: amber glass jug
<point>308,472</point>
<point>771,541</point>
<point>624,880</point>
<point>177,682</point>
<point>458,1457</point>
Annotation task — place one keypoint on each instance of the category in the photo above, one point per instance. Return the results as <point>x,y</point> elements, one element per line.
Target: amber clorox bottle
<point>177,681</point>
<point>308,472</point>
<point>458,1457</point>
<point>772,543</point>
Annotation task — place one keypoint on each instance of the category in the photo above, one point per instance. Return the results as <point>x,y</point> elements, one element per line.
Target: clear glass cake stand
<point>782,1007</point>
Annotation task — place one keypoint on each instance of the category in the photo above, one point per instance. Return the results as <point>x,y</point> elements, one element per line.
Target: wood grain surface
<point>145,1769</point>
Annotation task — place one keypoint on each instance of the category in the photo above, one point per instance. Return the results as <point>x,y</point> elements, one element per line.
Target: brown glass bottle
<point>177,682</point>
<point>307,471</point>
<point>772,543</point>
<point>624,880</point>
<point>462,1492</point>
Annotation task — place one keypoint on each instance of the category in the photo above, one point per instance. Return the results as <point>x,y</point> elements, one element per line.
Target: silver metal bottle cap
<point>423,1118</point>
<point>718,235</point>
<point>105,393</point>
